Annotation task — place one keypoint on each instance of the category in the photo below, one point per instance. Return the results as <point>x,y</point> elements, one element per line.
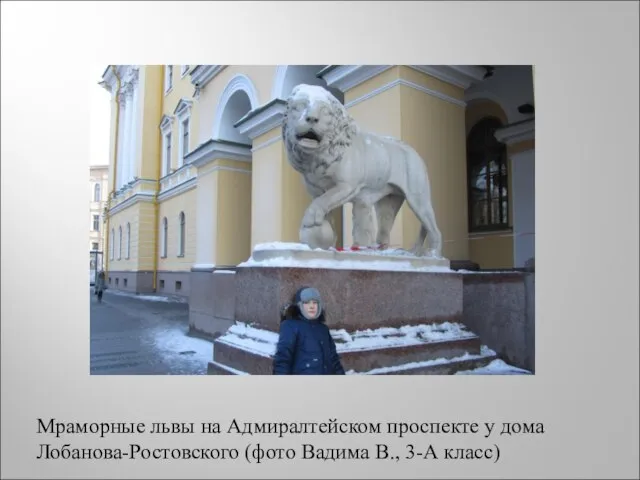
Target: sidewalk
<point>134,335</point>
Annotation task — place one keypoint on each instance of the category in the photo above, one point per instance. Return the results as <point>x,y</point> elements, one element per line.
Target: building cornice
<point>346,77</point>
<point>201,75</point>
<point>462,76</point>
<point>128,75</point>
<point>213,150</point>
<point>132,200</point>
<point>517,132</point>
<point>262,119</point>
<point>179,189</point>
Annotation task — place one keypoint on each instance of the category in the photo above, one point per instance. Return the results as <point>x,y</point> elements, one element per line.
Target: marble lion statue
<point>341,164</point>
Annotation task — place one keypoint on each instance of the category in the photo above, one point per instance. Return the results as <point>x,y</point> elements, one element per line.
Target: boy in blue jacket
<point>305,346</point>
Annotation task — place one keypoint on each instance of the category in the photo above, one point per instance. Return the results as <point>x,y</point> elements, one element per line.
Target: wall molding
<point>179,189</point>
<point>131,201</point>
<point>222,168</point>
<point>263,119</point>
<point>201,75</point>
<point>346,77</point>
<point>462,76</point>
<point>213,150</point>
<point>406,83</point>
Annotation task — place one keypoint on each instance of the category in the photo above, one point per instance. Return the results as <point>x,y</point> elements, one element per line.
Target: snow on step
<point>264,342</point>
<point>485,352</point>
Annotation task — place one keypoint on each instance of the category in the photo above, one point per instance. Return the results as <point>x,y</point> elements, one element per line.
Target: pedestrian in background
<point>100,286</point>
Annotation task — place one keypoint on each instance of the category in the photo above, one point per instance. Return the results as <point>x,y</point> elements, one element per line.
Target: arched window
<point>128,240</point>
<point>163,238</point>
<point>487,179</point>
<point>119,243</point>
<point>181,238</point>
<point>96,192</point>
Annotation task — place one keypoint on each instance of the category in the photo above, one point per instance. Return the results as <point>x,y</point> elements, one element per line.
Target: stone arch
<point>238,98</point>
<point>288,76</point>
<point>482,107</point>
<point>477,98</point>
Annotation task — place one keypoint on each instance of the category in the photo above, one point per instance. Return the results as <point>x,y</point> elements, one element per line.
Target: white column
<point>120,153</point>
<point>133,164</point>
<point>127,135</point>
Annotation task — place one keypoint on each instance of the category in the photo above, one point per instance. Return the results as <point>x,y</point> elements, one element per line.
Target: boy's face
<point>310,308</point>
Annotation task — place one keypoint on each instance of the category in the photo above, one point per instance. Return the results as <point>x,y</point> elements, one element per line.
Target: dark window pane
<point>480,214</point>
<point>487,176</point>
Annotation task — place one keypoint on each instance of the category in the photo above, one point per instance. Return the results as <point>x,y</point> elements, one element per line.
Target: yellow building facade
<point>199,173</point>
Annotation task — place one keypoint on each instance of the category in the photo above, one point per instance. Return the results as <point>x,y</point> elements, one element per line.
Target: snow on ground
<point>150,298</point>
<point>180,351</point>
<point>496,367</point>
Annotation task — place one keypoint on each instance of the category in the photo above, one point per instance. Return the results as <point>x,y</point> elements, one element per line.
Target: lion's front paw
<point>313,217</point>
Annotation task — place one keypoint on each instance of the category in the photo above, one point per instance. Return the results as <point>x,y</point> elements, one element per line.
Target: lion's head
<point>315,121</point>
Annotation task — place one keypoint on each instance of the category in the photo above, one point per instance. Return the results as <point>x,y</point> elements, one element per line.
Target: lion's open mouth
<point>309,137</point>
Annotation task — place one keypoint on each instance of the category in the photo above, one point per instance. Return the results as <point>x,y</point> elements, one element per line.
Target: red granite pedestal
<point>384,322</point>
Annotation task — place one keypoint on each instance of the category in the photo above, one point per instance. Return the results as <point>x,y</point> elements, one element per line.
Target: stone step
<point>365,360</point>
<point>440,366</point>
<point>214,368</point>
<point>449,367</point>
<point>241,359</point>
<point>260,363</point>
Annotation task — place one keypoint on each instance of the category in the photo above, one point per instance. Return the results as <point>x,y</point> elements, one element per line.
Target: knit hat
<point>308,294</point>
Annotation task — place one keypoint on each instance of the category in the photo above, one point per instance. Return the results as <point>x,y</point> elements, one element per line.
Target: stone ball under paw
<point>321,236</point>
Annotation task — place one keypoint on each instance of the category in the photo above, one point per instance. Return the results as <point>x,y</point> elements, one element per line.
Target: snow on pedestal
<point>281,254</point>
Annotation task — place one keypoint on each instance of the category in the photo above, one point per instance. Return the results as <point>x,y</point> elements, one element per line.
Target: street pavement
<point>135,336</point>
